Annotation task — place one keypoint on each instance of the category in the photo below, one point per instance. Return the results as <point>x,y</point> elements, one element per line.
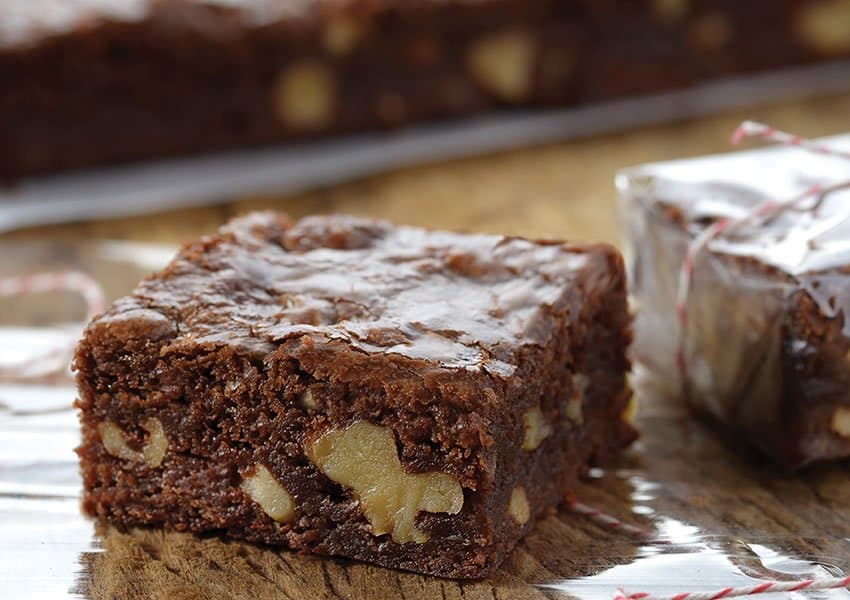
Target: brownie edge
<point>346,387</point>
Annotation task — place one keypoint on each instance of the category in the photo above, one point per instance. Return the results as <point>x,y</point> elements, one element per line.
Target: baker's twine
<point>607,521</point>
<point>19,286</point>
<point>768,208</point>
<point>768,587</point>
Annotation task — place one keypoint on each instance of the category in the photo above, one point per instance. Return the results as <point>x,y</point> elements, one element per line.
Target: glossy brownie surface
<point>494,365</point>
<point>446,299</point>
<point>766,343</point>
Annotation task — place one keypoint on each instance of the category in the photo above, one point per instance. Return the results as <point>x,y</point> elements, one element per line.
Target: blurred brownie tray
<point>98,82</point>
<point>345,387</point>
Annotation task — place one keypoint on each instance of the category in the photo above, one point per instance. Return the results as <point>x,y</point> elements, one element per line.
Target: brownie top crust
<point>803,248</point>
<point>452,300</point>
<point>699,191</point>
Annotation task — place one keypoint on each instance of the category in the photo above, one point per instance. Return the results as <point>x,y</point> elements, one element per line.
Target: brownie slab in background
<point>767,342</point>
<point>103,81</point>
<point>341,386</point>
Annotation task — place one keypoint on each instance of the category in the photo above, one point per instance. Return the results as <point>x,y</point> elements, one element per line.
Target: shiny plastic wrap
<point>50,551</point>
<point>766,343</point>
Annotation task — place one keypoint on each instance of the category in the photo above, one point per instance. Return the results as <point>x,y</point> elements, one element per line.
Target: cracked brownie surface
<point>348,387</point>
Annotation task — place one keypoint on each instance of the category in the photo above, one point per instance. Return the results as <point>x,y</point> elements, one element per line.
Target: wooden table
<point>728,517</point>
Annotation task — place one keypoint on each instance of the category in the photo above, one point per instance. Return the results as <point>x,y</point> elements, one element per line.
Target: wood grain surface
<point>725,515</point>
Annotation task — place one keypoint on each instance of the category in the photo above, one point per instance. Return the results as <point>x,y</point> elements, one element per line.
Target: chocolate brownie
<point>346,387</point>
<point>766,346</point>
<point>104,81</point>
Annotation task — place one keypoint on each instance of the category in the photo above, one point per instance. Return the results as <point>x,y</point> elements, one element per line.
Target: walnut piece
<point>630,412</point>
<point>574,406</point>
<point>518,506</point>
<point>504,64</point>
<point>306,400</point>
<point>341,35</point>
<point>670,11</point>
<point>151,454</point>
<point>363,458</point>
<point>265,490</point>
<point>573,410</point>
<point>536,429</point>
<point>825,26</point>
<point>841,421</point>
<point>306,94</point>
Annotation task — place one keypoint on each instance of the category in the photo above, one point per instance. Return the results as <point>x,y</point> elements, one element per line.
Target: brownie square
<point>346,387</point>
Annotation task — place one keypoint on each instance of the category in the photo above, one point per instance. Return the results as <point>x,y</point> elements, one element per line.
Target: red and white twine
<point>768,587</point>
<point>748,129</point>
<point>752,129</point>
<point>40,283</point>
<point>607,521</point>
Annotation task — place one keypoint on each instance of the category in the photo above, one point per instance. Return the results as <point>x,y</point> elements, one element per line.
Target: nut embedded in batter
<point>503,63</point>
<point>574,406</point>
<point>265,490</point>
<point>670,11</point>
<point>825,26</point>
<point>151,454</point>
<point>363,458</point>
<point>307,400</point>
<point>841,421</point>
<point>341,35</point>
<point>306,94</point>
<point>630,412</point>
<point>518,506</point>
<point>536,429</point>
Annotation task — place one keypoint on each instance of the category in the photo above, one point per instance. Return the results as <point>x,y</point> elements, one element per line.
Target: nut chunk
<point>504,64</point>
<point>363,457</point>
<point>841,421</point>
<point>536,429</point>
<point>265,490</point>
<point>152,453</point>
<point>825,26</point>
<point>518,506</point>
<point>306,94</point>
<point>352,388</point>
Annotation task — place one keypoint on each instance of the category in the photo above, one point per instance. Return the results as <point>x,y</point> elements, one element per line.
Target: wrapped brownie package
<point>765,340</point>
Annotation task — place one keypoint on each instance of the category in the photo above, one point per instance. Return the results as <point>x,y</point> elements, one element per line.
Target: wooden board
<point>724,516</point>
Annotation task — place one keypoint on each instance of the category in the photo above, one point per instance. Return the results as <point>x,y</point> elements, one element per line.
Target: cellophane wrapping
<point>764,340</point>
